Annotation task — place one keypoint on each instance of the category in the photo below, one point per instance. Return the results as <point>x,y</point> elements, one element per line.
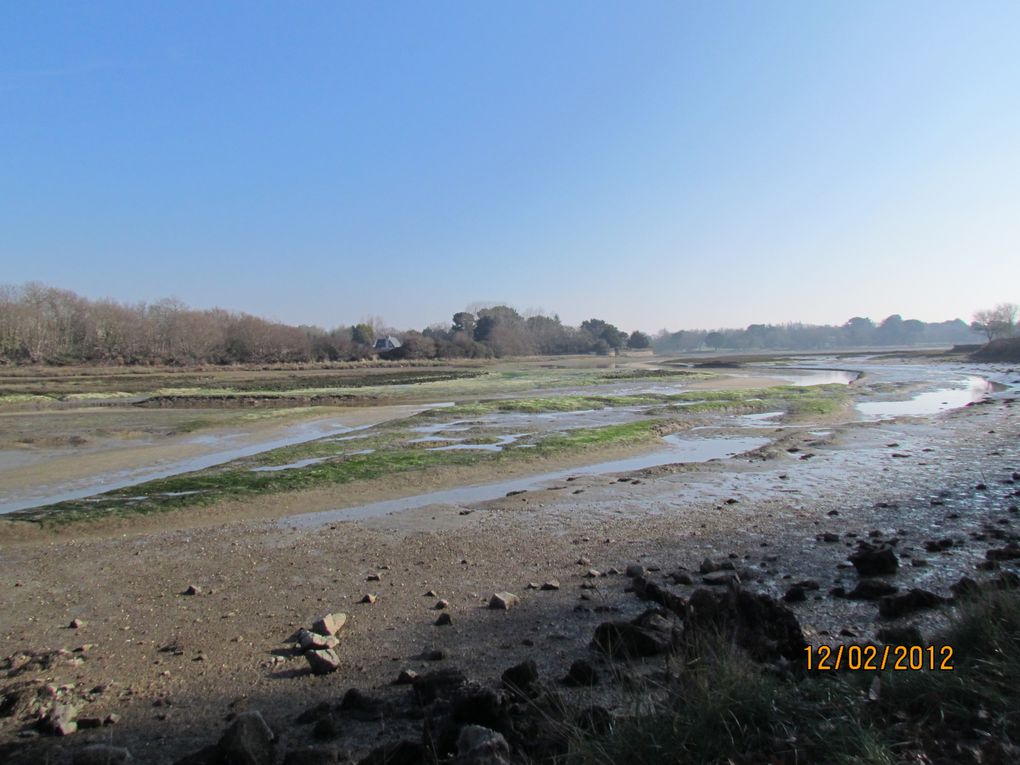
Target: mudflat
<point>172,667</point>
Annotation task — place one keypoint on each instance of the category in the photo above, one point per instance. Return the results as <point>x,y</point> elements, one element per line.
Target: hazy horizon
<point>658,165</point>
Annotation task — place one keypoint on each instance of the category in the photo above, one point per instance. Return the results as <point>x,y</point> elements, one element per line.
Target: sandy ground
<point>172,666</point>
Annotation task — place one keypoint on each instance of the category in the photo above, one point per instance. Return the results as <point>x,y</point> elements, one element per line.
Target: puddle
<point>762,420</point>
<point>678,450</point>
<point>932,402</point>
<point>806,377</point>
<point>289,465</point>
<point>705,449</point>
<point>496,447</point>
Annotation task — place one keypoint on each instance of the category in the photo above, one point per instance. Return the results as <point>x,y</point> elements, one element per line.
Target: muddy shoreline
<point>261,582</point>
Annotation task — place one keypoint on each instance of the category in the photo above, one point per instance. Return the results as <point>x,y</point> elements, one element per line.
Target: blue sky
<point>657,164</point>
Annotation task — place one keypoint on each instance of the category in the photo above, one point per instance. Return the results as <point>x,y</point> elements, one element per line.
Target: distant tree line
<point>858,332</point>
<point>40,324</point>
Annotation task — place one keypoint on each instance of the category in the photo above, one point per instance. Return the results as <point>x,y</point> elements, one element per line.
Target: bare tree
<point>996,322</point>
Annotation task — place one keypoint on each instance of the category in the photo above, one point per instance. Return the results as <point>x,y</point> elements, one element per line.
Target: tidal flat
<point>607,469</point>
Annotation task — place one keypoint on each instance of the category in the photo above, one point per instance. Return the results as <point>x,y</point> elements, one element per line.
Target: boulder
<point>759,624</point>
<point>581,674</point>
<point>323,661</point>
<point>360,706</point>
<point>872,589</point>
<point>330,624</point>
<point>247,741</point>
<point>647,590</point>
<point>503,601</point>
<point>60,720</point>
<point>441,684</point>
<point>796,594</point>
<point>406,677</point>
<point>314,641</point>
<point>1010,552</point>
<point>477,745</point>
<point>875,560</point>
<point>624,640</point>
<point>522,679</point>
<point>896,606</point>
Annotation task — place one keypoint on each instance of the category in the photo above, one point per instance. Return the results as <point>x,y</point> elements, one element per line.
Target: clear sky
<point>656,164</point>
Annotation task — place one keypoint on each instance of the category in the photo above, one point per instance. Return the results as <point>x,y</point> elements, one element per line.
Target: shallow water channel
<point>677,450</point>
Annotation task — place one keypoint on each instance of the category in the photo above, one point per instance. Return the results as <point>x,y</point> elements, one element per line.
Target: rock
<point>761,625</point>
<point>406,677</point>
<point>708,566</point>
<point>795,594</point>
<point>444,620</point>
<point>522,679</point>
<point>373,578</point>
<point>360,706</point>
<point>681,577</point>
<point>829,538</point>
<point>874,560</point>
<point>900,635</point>
<point>1010,552</point>
<point>60,720</point>
<point>330,624</point>
<point>76,624</point>
<point>965,587</point>
<point>441,604</point>
<point>592,574</point>
<point>872,589</point>
<point>442,684</point>
<point>581,674</point>
<point>636,569</point>
<point>552,584</point>
<point>313,641</point>
<point>721,578</point>
<point>623,640</point>
<point>477,745</point>
<point>434,654</point>
<point>369,598</point>
<point>1007,580</point>
<point>101,754</point>
<point>503,601</point>
<point>193,589</point>
<point>938,545</point>
<point>647,590</point>
<point>896,606</point>
<point>248,741</point>
<point>323,661</point>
